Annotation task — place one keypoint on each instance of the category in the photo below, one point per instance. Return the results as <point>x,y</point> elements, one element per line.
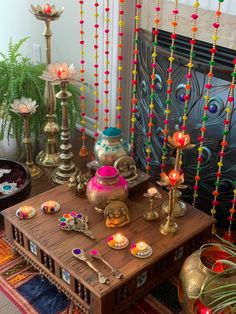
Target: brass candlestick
<point>180,141</point>
<point>170,227</point>
<point>152,194</point>
<point>25,107</point>
<point>48,157</point>
<point>66,167</point>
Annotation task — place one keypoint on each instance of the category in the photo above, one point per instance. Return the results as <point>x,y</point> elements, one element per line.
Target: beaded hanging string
<point>206,101</point>
<point>107,71</point>
<point>137,18</point>
<point>190,66</point>
<point>96,75</point>
<point>169,83</point>
<point>229,107</point>
<point>83,150</point>
<point>228,234</point>
<point>152,86</point>
<point>120,67</point>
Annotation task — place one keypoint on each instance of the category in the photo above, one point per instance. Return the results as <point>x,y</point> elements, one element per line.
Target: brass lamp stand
<point>48,157</point>
<point>66,167</point>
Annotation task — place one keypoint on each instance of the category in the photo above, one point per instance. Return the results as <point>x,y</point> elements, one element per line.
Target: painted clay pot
<point>106,186</point>
<point>197,270</point>
<point>111,146</point>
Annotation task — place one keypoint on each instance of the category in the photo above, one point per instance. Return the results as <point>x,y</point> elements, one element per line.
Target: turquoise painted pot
<point>111,146</point>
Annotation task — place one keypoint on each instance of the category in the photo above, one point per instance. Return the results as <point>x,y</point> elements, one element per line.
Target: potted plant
<point>221,298</point>
<point>20,77</point>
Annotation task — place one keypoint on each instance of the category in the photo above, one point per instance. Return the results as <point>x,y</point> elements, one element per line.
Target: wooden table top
<point>43,230</point>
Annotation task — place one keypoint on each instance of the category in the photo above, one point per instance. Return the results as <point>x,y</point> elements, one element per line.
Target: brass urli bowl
<point>20,175</point>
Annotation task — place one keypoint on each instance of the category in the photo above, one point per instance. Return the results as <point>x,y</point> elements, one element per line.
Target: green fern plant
<point>20,77</point>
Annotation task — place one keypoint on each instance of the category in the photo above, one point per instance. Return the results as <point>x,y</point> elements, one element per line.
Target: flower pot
<point>197,270</point>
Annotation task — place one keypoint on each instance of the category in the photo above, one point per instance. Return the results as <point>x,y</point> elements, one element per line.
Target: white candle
<point>141,246</point>
<point>152,191</point>
<point>118,238</point>
<point>26,209</point>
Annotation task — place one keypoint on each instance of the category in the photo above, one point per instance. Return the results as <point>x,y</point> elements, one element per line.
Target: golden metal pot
<point>195,271</point>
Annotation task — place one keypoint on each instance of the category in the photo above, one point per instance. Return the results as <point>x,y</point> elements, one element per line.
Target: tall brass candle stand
<point>180,141</point>
<point>25,107</point>
<point>170,227</point>
<point>48,157</point>
<point>66,167</point>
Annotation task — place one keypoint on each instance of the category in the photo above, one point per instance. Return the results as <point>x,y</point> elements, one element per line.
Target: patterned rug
<point>33,293</point>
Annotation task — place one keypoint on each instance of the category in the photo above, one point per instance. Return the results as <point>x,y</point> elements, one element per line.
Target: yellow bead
<point>171,59</point>
<point>180,163</point>
<point>95,126</point>
<point>95,93</point>
<point>234,192</point>
<point>96,15</point>
<point>107,20</point>
<point>215,38</point>
<point>154,54</point>
<point>200,149</point>
<point>120,68</point>
<point>185,117</point>
<point>167,111</point>
<point>133,119</point>
<point>106,101</point>
<point>213,211</point>
<point>81,12</point>
<point>135,72</point>
<point>151,106</point>
<point>195,195</point>
<point>148,150</point>
<point>196,4</point>
<point>121,23</point>
<point>107,62</point>
<point>190,65</point>
<point>163,157</point>
<point>220,164</point>
<point>82,121</point>
<point>227,110</point>
<point>206,97</point>
<point>118,107</point>
<point>82,89</point>
<point>137,18</point>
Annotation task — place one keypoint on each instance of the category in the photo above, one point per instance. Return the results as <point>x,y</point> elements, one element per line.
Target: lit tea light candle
<point>141,246</point>
<point>174,176</point>
<point>23,109</point>
<point>47,9</point>
<point>26,209</point>
<point>59,72</point>
<point>26,212</point>
<point>119,238</point>
<point>117,241</point>
<point>152,191</point>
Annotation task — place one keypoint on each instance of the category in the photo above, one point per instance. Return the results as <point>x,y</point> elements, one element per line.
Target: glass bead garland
<point>120,67</point>
<point>152,87</point>
<point>169,83</point>
<point>206,101</point>
<point>96,74</point>
<point>107,68</point>
<point>134,100</point>
<point>224,144</point>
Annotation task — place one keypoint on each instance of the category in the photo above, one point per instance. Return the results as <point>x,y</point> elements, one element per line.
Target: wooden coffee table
<point>42,243</point>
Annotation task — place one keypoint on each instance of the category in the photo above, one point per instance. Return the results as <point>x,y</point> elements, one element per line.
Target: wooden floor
<point>40,185</point>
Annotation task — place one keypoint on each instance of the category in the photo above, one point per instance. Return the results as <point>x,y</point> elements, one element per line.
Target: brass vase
<point>197,270</point>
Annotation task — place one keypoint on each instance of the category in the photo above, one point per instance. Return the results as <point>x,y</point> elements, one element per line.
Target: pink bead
<point>82,129</point>
<point>96,134</point>
<point>83,114</point>
<point>183,128</point>
<point>194,16</point>
<point>215,202</point>
<point>221,154</point>
<point>233,201</point>
<point>163,166</point>
<point>189,76</point>
<point>82,97</point>
<point>107,72</point>
<point>201,138</point>
<point>96,65</point>
<point>106,110</point>
<point>118,116</point>
<point>208,86</point>
<point>81,42</point>
<point>166,121</point>
<point>95,46</point>
<point>148,159</point>
<point>107,31</point>
<point>135,62</point>
<point>106,92</point>
<point>82,61</point>
<point>169,70</point>
<point>97,101</point>
<point>121,34</point>
<point>96,25</point>
<point>151,115</point>
<point>176,11</point>
<point>153,65</point>
<point>216,25</point>
<point>96,118</point>
<point>158,9</point>
<point>195,187</point>
<point>186,97</point>
<point>192,41</point>
<point>230,98</point>
<point>81,22</point>
<point>107,9</point>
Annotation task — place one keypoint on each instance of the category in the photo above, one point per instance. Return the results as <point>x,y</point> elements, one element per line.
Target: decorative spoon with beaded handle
<point>81,256</point>
<point>115,272</point>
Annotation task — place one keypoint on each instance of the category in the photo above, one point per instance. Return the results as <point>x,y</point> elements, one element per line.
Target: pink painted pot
<point>107,185</point>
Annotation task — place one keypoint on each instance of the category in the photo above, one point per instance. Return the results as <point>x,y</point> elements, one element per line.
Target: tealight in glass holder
<point>150,214</point>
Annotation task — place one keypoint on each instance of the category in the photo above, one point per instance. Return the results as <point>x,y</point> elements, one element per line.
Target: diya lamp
<point>50,207</point>
<point>48,157</point>
<point>152,194</point>
<point>26,212</point>
<point>141,249</point>
<point>117,241</point>
<point>172,180</point>
<point>24,108</point>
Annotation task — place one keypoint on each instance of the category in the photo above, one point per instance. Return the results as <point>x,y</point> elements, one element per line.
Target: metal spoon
<point>81,256</point>
<point>115,272</point>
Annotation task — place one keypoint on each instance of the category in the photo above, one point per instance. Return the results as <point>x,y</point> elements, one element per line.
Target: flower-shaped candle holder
<point>117,241</point>
<point>46,12</point>
<point>26,212</point>
<point>141,249</point>
<point>25,107</point>
<point>77,222</point>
